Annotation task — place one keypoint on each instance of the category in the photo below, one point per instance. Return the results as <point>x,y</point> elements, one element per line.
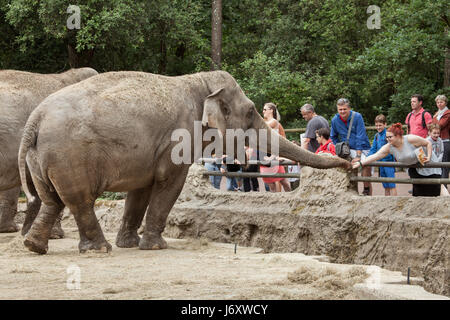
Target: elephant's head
<point>76,75</point>
<point>227,107</point>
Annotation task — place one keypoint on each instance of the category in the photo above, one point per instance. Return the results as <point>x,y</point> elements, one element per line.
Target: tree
<point>216,35</point>
<point>103,24</point>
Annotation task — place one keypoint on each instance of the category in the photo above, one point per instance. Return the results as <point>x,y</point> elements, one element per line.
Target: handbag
<point>343,148</point>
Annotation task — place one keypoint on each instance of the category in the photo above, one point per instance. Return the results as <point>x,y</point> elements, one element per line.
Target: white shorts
<point>364,154</point>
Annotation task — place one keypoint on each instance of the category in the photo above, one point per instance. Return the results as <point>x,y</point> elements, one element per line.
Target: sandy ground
<point>188,269</point>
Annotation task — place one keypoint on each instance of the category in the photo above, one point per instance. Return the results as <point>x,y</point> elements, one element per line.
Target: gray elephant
<point>20,93</point>
<point>112,132</point>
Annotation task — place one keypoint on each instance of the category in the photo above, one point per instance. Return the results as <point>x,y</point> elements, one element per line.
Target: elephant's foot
<point>101,246</point>
<point>7,224</point>
<point>127,239</point>
<point>29,218</point>
<point>36,245</point>
<point>152,241</point>
<point>57,231</point>
<point>8,227</point>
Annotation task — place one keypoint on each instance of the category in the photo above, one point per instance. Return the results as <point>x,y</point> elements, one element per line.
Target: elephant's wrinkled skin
<point>20,93</point>
<point>112,132</point>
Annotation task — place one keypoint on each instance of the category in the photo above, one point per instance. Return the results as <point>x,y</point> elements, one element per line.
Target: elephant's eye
<point>250,114</point>
<point>225,110</point>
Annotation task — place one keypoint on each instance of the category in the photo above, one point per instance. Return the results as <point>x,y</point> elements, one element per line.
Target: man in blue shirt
<point>358,140</point>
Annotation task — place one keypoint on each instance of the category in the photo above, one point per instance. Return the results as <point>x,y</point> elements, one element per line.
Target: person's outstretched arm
<point>380,154</point>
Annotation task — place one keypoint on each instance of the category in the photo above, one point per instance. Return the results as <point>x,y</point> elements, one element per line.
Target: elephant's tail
<point>28,141</point>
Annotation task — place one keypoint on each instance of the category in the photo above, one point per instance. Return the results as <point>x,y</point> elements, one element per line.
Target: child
<point>378,141</point>
<point>326,145</point>
<point>434,132</point>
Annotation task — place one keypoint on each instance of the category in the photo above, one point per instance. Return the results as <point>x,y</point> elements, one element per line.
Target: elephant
<point>20,93</point>
<point>112,132</point>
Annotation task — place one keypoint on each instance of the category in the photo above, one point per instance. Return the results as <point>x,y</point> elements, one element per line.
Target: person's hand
<point>355,160</point>
<point>426,159</point>
<point>356,165</point>
<point>222,170</point>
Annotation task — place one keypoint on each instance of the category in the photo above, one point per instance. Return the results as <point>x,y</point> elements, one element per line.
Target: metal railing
<point>301,130</point>
<point>353,178</point>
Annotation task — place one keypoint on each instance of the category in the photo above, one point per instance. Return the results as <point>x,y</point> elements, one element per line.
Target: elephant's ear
<point>212,113</point>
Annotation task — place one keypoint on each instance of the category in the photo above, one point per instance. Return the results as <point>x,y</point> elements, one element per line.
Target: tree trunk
<point>79,60</point>
<point>447,64</point>
<point>216,35</point>
<point>163,60</point>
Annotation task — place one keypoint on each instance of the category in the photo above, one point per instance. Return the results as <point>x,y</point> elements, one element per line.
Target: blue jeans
<point>215,180</point>
<point>232,183</point>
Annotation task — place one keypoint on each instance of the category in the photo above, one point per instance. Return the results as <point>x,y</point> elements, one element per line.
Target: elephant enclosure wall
<point>323,217</point>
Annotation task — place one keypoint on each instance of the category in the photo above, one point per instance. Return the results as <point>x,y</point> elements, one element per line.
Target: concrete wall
<point>324,216</point>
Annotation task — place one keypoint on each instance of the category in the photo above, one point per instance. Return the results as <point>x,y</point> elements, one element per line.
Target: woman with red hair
<point>404,150</point>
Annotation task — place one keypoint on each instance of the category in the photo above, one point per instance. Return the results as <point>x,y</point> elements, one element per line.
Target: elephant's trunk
<point>293,152</point>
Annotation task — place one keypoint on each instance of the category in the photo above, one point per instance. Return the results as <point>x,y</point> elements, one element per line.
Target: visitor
<point>379,141</point>
<point>294,168</point>
<point>315,122</point>
<point>405,149</point>
<point>418,119</point>
<point>214,167</point>
<point>231,165</point>
<point>250,184</point>
<point>442,117</point>
<point>326,145</point>
<point>270,117</point>
<point>358,140</point>
<point>434,132</point>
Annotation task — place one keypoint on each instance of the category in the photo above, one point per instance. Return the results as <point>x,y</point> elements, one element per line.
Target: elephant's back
<point>121,99</point>
<point>40,85</point>
<point>20,93</point>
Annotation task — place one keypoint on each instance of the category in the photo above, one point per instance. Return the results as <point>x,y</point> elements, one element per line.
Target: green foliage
<point>290,52</point>
<point>113,195</point>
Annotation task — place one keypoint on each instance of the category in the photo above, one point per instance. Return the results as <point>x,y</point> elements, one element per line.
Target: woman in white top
<point>403,148</point>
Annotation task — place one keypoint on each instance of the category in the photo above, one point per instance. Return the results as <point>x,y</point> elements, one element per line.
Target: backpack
<point>424,125</point>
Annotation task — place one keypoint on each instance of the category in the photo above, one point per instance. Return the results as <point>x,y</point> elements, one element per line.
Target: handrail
<point>353,178</point>
<point>401,180</point>
<point>283,162</point>
<point>304,129</point>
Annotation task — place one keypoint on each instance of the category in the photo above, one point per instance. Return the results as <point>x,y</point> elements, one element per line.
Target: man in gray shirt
<point>315,122</point>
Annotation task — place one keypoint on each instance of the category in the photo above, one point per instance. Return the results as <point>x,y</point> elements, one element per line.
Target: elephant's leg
<point>57,231</point>
<point>32,206</point>
<point>135,205</point>
<point>37,237</point>
<point>91,235</point>
<point>32,211</point>
<point>163,196</point>
<point>8,210</point>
